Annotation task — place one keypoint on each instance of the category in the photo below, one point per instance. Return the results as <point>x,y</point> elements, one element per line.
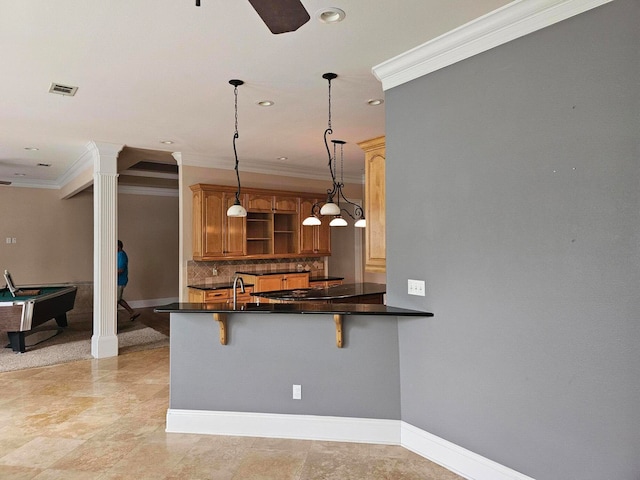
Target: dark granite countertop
<point>216,286</point>
<point>293,308</point>
<point>347,290</point>
<point>323,278</point>
<point>276,272</point>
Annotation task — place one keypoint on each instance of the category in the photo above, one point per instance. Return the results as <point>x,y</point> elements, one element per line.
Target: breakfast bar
<point>236,371</point>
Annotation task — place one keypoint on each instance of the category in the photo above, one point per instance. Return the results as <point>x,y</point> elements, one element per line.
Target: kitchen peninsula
<point>243,386</point>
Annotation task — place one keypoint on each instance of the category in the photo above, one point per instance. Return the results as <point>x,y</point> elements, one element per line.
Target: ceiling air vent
<point>62,89</point>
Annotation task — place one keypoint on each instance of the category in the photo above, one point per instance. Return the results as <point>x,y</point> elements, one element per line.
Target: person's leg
<point>122,302</point>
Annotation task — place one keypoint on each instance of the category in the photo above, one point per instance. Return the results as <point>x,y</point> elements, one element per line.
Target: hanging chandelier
<point>236,210</point>
<point>335,195</point>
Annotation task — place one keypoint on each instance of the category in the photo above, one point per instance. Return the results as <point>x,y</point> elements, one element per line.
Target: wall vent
<point>62,89</point>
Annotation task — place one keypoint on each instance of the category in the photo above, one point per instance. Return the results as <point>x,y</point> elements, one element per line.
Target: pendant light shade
<point>311,220</point>
<point>330,208</point>
<point>236,210</point>
<point>338,222</point>
<point>360,223</point>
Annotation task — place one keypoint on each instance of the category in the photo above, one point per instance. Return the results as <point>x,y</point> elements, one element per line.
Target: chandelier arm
<point>347,212</point>
<point>235,153</point>
<point>358,211</point>
<point>328,131</point>
<point>315,209</point>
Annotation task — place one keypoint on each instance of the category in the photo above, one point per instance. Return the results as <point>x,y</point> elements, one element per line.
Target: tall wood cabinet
<point>215,234</point>
<point>314,239</point>
<point>272,228</point>
<point>374,204</point>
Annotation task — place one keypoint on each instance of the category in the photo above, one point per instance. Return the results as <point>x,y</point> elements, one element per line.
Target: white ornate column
<point>104,342</point>
<point>181,205</point>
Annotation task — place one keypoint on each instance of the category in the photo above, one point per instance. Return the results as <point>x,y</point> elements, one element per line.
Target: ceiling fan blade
<point>281,16</point>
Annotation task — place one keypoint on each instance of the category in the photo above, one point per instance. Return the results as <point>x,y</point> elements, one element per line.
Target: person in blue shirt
<point>123,279</point>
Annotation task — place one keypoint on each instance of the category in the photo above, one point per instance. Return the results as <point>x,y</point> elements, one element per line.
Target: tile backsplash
<point>205,272</point>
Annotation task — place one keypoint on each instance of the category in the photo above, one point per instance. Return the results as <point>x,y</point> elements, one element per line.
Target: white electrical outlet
<point>416,287</point>
<point>297,392</point>
<point>8,239</point>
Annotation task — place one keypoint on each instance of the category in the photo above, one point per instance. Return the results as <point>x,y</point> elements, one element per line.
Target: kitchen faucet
<point>235,292</point>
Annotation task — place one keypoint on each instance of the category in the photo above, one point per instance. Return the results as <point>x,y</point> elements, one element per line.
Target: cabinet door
<point>323,237</point>
<point>196,296</point>
<point>374,204</point>
<point>307,233</point>
<point>260,203</point>
<point>268,283</point>
<point>234,230</point>
<point>215,234</point>
<point>212,224</point>
<point>314,240</point>
<point>295,280</point>
<point>286,204</point>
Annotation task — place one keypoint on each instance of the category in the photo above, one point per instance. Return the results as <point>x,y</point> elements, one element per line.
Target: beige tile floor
<point>104,420</point>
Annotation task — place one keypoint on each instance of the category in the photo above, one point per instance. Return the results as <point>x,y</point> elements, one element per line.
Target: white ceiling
<point>154,70</point>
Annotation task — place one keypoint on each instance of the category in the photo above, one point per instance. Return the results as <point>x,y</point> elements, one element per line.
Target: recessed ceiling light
<point>330,15</point>
<point>266,103</point>
<point>32,149</point>
<point>167,142</point>
<point>374,102</point>
<point>283,158</point>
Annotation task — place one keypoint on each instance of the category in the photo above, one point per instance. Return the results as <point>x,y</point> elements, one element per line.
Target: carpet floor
<point>50,345</point>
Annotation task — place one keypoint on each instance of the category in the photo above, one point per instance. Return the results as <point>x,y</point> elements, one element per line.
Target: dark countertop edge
<point>294,308</point>
<point>347,290</point>
<point>275,272</point>
<point>324,278</point>
<point>216,286</point>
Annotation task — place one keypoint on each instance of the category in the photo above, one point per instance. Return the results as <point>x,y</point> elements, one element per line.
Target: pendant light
<point>236,210</point>
<point>331,206</point>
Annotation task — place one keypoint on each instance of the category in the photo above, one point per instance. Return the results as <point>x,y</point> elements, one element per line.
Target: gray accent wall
<point>267,354</point>
<point>513,190</point>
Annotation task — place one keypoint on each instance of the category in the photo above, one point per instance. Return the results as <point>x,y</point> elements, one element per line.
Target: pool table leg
<point>16,339</point>
<point>61,320</point>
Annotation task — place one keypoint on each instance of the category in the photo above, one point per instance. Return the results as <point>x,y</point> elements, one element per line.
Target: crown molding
<point>264,168</point>
<point>514,20</point>
<point>152,191</point>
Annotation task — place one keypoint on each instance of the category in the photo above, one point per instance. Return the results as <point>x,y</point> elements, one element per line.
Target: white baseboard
<point>453,457</point>
<point>342,429</point>
<point>301,427</point>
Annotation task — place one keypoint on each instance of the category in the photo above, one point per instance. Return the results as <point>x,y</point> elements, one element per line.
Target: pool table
<point>21,313</point>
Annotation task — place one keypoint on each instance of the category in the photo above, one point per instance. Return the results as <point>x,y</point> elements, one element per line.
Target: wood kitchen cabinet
<point>214,234</point>
<point>272,228</point>
<point>374,204</point>
<point>277,281</point>
<point>272,224</point>
<point>220,295</point>
<point>315,239</point>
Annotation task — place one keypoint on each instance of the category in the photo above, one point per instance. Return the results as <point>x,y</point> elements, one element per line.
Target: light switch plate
<point>416,287</point>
